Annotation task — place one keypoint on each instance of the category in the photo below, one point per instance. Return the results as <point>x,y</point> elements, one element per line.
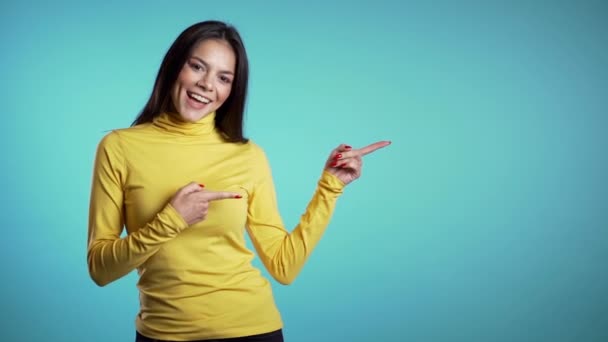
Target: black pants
<point>275,336</point>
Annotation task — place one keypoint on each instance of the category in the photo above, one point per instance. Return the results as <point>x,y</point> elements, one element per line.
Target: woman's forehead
<point>215,52</point>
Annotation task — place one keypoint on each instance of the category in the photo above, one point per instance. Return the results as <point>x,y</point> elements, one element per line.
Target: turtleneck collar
<point>173,123</point>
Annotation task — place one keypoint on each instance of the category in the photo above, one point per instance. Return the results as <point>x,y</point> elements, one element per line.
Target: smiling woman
<point>186,240</point>
<point>205,80</point>
<point>207,57</point>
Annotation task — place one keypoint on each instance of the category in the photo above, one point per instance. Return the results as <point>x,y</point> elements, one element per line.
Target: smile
<point>198,97</point>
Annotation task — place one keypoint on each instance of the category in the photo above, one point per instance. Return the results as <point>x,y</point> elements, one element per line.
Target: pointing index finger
<point>218,195</point>
<point>373,147</point>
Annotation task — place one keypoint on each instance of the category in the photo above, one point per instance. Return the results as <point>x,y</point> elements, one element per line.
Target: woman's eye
<point>196,67</point>
<point>225,79</point>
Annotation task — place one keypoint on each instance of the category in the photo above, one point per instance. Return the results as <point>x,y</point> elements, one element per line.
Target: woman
<point>186,239</point>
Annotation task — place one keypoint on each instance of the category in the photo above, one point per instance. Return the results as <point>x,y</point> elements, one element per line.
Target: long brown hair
<point>229,117</point>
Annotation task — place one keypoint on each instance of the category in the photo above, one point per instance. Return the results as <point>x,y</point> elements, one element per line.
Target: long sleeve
<point>282,253</point>
<point>110,257</point>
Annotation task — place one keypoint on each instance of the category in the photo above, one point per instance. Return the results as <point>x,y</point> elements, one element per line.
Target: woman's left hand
<point>346,163</point>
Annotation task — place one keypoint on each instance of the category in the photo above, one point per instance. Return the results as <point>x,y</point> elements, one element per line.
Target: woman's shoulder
<point>257,158</point>
<point>255,149</point>
<point>110,138</point>
<point>141,129</point>
<point>116,135</point>
<point>115,139</point>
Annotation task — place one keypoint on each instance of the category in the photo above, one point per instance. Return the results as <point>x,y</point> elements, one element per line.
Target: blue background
<point>485,220</point>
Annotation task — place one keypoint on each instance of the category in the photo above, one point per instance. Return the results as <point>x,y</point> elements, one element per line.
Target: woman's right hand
<point>192,201</point>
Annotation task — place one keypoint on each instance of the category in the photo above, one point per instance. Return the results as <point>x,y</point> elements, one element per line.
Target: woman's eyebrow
<point>207,65</point>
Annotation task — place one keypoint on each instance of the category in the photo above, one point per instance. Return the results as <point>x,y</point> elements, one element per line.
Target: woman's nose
<point>204,83</point>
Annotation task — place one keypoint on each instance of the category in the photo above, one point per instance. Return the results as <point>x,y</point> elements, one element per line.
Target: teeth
<point>200,98</point>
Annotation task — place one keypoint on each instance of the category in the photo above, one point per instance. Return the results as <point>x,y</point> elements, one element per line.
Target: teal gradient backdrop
<point>485,220</point>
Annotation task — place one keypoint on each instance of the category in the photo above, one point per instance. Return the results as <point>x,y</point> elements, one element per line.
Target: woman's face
<point>205,81</point>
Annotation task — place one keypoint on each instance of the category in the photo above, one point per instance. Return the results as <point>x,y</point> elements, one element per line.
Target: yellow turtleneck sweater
<point>196,282</point>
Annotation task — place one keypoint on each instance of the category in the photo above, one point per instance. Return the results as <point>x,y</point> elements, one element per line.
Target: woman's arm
<point>109,257</point>
<point>283,253</point>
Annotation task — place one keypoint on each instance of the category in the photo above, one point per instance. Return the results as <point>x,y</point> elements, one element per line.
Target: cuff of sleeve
<point>331,183</point>
<point>172,219</point>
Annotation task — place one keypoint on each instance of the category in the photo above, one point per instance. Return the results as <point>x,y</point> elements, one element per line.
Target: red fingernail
<point>238,196</point>
<point>342,165</point>
<point>202,185</point>
<point>334,163</point>
<point>338,156</point>
<point>347,146</point>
